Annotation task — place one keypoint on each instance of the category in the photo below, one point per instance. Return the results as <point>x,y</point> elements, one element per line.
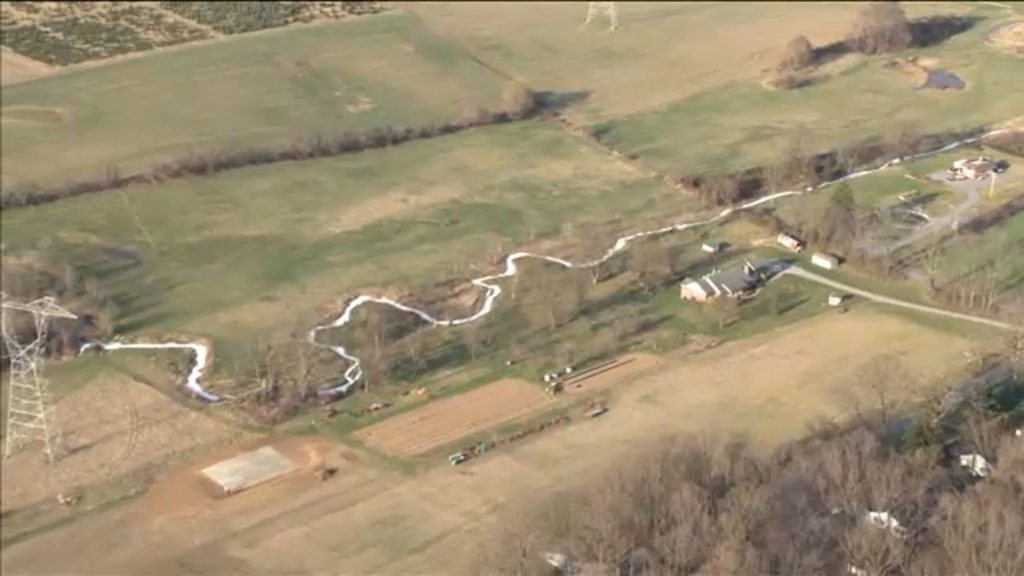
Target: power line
<point>30,404</point>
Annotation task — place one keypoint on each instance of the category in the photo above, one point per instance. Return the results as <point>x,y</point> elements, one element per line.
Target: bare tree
<point>881,27</point>
<point>374,331</point>
<point>849,157</point>
<point>775,176</point>
<point>798,53</point>
<point>982,531</point>
<point>902,138</point>
<point>474,336</point>
<point>980,431</point>
<point>837,227</point>
<point>518,99</point>
<point>883,376</point>
<point>552,296</point>
<point>725,311</point>
<point>651,263</point>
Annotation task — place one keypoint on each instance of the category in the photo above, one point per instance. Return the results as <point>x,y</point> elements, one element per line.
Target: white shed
<point>824,261</point>
<point>790,242</point>
<point>711,247</point>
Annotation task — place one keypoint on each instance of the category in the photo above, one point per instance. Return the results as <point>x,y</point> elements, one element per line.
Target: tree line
<point>28,276</point>
<point>708,507</point>
<point>519,102</point>
<point>799,168</point>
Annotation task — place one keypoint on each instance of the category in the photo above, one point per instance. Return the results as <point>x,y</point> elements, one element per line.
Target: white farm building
<point>825,261</point>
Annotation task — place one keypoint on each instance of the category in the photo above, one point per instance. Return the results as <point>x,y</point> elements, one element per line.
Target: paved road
<point>800,272</point>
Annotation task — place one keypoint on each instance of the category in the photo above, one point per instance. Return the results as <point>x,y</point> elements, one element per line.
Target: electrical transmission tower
<point>29,406</point>
<point>606,8</point>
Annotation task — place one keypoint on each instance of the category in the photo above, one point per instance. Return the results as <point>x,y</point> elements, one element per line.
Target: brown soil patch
<point>1009,36</point>
<point>111,426</point>
<point>16,68</point>
<point>393,204</point>
<point>185,492</point>
<point>446,420</point>
<point>611,372</point>
<point>31,114</point>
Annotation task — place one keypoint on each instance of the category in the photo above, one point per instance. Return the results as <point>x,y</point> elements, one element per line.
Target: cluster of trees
<point>879,28</point>
<point>696,506</point>
<point>396,348</point>
<point>519,102</point>
<point>28,276</point>
<point>983,281</point>
<point>993,217</point>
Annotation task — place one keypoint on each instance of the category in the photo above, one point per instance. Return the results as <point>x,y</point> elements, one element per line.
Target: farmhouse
<point>729,283</point>
<point>790,242</point>
<point>826,261</point>
<point>971,169</point>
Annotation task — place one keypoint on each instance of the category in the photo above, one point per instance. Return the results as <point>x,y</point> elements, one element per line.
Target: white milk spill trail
<point>355,372</point>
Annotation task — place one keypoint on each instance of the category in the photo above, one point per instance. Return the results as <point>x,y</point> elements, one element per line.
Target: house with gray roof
<point>731,283</point>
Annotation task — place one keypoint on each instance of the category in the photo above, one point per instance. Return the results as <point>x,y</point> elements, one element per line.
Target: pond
<point>940,79</point>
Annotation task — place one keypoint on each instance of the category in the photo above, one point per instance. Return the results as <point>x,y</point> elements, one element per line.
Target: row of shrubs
<point>218,161</point>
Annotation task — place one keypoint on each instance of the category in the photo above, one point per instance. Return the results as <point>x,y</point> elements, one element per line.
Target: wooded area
<point>718,508</point>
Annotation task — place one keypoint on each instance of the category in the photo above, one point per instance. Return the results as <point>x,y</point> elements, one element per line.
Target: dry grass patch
<point>111,426</point>
<point>446,420</point>
<point>16,68</point>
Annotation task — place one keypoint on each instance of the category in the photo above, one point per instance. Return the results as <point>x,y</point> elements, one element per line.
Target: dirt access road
<point>371,519</point>
<point>806,275</point>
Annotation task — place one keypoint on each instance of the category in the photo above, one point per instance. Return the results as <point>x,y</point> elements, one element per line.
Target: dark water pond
<point>943,80</point>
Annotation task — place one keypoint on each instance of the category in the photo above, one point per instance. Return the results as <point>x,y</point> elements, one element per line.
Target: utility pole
<point>29,403</point>
<point>606,8</point>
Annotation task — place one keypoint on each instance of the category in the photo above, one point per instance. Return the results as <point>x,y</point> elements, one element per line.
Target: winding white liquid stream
<point>354,372</point>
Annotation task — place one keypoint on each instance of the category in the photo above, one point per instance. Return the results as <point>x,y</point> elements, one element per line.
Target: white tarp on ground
<point>249,469</point>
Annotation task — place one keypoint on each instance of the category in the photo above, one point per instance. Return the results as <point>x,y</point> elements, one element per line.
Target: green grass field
<point>1000,249</point>
<point>252,252</point>
<point>740,124</point>
<point>252,90</point>
<point>661,52</point>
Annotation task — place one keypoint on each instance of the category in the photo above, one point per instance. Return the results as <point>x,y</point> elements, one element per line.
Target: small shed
<point>712,247</point>
<point>790,242</point>
<point>826,261</point>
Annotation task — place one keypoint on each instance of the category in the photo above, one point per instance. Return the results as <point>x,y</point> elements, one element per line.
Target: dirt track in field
<point>617,372</point>
<point>111,426</point>
<point>443,421</point>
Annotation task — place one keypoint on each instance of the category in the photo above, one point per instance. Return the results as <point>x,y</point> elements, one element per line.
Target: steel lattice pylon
<point>607,8</point>
<point>29,405</point>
